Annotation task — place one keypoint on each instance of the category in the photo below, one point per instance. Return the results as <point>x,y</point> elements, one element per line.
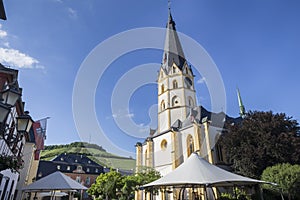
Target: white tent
<point>196,171</point>
<point>54,181</point>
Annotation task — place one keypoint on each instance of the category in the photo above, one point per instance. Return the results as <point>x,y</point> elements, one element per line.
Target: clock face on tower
<point>188,82</point>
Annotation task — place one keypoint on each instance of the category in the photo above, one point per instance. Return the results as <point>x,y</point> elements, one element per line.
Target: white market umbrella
<point>196,171</point>
<point>55,181</point>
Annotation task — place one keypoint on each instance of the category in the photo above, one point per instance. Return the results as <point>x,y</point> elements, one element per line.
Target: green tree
<point>132,183</point>
<point>106,185</point>
<point>113,185</point>
<point>262,139</point>
<point>287,178</point>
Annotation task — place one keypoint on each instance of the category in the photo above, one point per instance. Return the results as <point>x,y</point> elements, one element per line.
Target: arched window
<point>191,102</point>
<point>175,101</point>
<point>175,84</point>
<point>162,89</point>
<point>174,70</point>
<point>162,105</point>
<point>218,149</point>
<point>163,145</point>
<point>190,145</point>
<point>146,157</point>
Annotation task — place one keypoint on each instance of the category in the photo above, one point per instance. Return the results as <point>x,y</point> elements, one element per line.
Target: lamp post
<point>24,123</point>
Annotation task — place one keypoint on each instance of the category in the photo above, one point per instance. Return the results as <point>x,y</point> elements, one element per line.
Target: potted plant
<point>11,162</point>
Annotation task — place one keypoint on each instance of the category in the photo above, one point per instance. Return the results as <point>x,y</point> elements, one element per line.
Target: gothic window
<point>174,70</point>
<point>175,101</point>
<point>162,88</point>
<point>191,102</point>
<point>190,145</point>
<point>162,105</point>
<point>146,157</point>
<point>218,149</point>
<point>175,84</point>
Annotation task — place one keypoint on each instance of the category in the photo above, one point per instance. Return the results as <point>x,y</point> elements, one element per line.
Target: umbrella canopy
<point>55,181</point>
<point>197,171</point>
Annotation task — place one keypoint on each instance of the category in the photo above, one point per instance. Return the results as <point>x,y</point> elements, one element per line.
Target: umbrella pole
<point>215,196</point>
<point>205,192</point>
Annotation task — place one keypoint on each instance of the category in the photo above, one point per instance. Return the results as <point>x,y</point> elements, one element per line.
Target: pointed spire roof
<point>173,52</point>
<point>241,105</point>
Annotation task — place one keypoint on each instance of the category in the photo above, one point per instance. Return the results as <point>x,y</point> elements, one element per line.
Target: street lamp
<point>4,111</point>
<point>10,95</point>
<point>24,123</point>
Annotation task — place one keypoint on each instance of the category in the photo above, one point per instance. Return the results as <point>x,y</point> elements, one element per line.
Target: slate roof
<point>173,52</point>
<point>199,115</point>
<point>68,163</point>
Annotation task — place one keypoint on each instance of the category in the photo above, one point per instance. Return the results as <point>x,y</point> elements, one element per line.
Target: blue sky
<point>255,45</point>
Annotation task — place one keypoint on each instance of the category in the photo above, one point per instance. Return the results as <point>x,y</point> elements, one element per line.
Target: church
<point>183,126</point>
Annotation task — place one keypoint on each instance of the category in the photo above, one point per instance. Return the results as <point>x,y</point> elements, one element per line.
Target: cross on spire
<point>169,5</point>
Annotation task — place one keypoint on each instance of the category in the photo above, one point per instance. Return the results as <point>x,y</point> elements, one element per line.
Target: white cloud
<point>3,34</point>
<point>72,13</point>
<point>6,44</point>
<point>123,115</point>
<point>201,80</point>
<point>15,58</point>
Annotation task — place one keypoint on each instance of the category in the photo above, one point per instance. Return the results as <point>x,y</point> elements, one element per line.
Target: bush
<point>287,178</point>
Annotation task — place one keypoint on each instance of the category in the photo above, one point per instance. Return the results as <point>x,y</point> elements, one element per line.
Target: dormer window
<point>79,168</point>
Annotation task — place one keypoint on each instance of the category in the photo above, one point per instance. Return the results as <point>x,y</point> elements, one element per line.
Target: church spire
<point>173,52</point>
<point>241,105</point>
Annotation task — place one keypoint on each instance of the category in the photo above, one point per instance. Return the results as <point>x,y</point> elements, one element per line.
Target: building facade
<point>183,126</point>
<point>12,140</point>
<point>31,155</point>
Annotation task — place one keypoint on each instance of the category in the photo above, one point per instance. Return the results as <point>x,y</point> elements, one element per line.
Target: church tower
<point>176,92</point>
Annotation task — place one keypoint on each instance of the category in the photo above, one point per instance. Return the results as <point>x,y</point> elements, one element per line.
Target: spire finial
<point>241,105</point>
